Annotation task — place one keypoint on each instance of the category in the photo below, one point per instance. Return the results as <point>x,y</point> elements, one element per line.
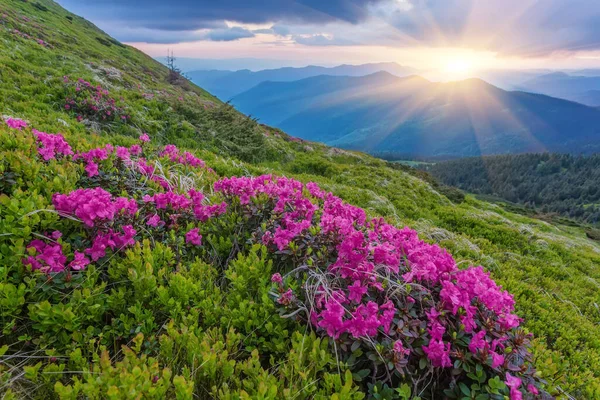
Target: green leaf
<point>464,389</point>
<point>404,391</point>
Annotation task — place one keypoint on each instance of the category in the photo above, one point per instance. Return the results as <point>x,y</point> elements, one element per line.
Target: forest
<point>549,183</point>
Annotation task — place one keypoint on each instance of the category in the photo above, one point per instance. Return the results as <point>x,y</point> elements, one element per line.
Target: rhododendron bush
<point>92,102</point>
<point>397,311</point>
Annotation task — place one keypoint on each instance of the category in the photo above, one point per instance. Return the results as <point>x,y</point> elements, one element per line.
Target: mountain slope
<point>166,318</point>
<point>581,89</point>
<point>415,117</point>
<point>227,84</point>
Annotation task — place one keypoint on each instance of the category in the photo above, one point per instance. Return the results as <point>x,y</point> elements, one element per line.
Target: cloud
<point>514,27</point>
<point>267,31</point>
<point>321,40</point>
<point>229,34</point>
<point>145,35</point>
<point>280,30</point>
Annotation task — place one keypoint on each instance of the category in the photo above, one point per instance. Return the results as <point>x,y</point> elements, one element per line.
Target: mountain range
<point>227,84</point>
<point>411,116</point>
<point>580,88</point>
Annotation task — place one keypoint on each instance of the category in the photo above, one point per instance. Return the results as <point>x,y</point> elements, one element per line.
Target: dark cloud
<point>229,34</point>
<point>160,21</point>
<point>198,14</point>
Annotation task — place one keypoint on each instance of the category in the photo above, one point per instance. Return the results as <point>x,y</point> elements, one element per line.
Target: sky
<point>454,38</point>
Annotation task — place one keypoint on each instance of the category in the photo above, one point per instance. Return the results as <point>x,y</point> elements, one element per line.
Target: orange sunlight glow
<point>458,68</point>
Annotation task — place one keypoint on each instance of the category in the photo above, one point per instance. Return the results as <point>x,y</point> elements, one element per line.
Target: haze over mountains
<point>227,84</point>
<point>580,88</point>
<point>411,116</point>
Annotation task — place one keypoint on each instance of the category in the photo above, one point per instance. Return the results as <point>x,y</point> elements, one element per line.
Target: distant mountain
<point>411,116</point>
<point>582,89</point>
<point>230,64</point>
<point>227,84</point>
<point>510,79</point>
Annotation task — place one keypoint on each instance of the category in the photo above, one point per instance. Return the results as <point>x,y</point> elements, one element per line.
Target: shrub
<point>92,102</point>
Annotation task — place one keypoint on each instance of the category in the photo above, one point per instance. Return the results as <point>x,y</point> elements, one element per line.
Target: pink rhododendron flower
<point>135,149</point>
<point>80,261</point>
<point>172,152</point>
<point>123,153</point>
<point>477,342</point>
<point>92,205</point>
<point>99,246</point>
<point>193,237</point>
<point>532,389</point>
<point>52,145</point>
<point>286,298</point>
<point>92,169</point>
<point>399,349</point>
<point>356,291</point>
<point>126,238</point>
<point>439,353</point>
<point>315,190</point>
<point>497,359</point>
<point>276,278</point>
<point>513,383</point>
<point>144,138</point>
<point>436,331</point>
<point>331,318</point>
<point>16,123</point>
<point>153,220</point>
<point>48,257</point>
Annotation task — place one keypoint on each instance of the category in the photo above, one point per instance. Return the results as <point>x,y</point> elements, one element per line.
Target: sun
<point>458,68</point>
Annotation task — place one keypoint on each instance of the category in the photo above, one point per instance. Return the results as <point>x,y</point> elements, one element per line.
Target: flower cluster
<point>294,211</point>
<point>16,123</point>
<point>179,205</point>
<point>93,156</point>
<point>172,152</point>
<point>52,145</point>
<point>29,37</point>
<point>92,206</point>
<point>111,240</point>
<point>46,258</point>
<point>92,102</point>
<point>125,154</point>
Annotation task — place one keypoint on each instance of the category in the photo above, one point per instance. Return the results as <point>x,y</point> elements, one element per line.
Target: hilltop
<point>132,265</point>
<point>412,117</point>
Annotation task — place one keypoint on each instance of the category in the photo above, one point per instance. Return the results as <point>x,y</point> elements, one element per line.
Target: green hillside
<point>153,310</point>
